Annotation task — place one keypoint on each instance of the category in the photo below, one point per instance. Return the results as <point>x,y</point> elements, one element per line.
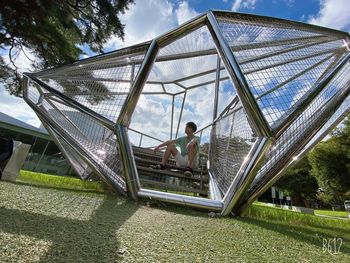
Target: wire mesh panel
<point>80,167</point>
<point>337,117</point>
<point>85,133</point>
<point>283,62</point>
<point>300,132</point>
<point>100,84</point>
<point>231,140</point>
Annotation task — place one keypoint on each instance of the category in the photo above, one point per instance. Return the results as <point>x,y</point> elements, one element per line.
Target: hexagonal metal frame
<point>245,187</point>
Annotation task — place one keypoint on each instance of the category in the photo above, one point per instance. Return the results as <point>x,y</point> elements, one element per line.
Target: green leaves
<point>330,165</point>
<point>53,32</point>
<point>298,182</point>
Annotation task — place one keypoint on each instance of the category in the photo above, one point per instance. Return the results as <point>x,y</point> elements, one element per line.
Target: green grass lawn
<point>61,182</point>
<point>332,213</point>
<point>342,214</point>
<point>41,224</point>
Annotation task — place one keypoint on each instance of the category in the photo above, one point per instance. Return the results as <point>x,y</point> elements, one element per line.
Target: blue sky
<point>288,9</point>
<point>150,18</point>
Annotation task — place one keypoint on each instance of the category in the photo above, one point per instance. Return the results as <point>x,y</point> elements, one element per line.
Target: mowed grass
<point>40,224</point>
<point>332,213</point>
<point>60,182</point>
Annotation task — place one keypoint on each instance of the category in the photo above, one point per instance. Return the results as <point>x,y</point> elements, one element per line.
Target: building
<point>44,156</point>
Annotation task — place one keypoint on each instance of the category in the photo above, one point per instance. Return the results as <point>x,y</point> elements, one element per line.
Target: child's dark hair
<point>192,125</point>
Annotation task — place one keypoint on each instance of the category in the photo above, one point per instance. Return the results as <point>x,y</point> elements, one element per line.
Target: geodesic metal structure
<point>263,91</point>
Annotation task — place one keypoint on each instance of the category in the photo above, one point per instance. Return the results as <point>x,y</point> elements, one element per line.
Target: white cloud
<point>334,14</point>
<point>184,13</point>
<point>143,21</point>
<point>146,20</point>
<point>17,108</point>
<point>22,58</point>
<point>240,4</point>
<point>11,105</point>
<point>289,3</point>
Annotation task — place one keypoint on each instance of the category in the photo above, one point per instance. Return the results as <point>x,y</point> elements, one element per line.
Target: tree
<point>54,32</point>
<point>299,183</point>
<point>330,161</point>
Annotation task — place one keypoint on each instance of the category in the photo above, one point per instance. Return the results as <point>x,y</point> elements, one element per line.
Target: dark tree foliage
<point>330,161</point>
<point>54,31</point>
<point>299,183</point>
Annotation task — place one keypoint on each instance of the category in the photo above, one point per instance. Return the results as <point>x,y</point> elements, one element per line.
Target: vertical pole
<point>137,86</point>
<point>140,140</point>
<point>41,157</point>
<point>182,107</point>
<point>172,118</point>
<point>132,75</point>
<point>217,84</point>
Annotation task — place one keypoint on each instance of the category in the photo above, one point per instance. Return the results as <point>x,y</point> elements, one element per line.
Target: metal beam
<point>255,115</point>
<point>129,165</point>
<point>180,117</point>
<point>135,93</point>
<point>217,86</point>
<point>195,202</point>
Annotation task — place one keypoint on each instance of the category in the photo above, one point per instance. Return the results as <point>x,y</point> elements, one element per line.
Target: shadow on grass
<point>42,186</point>
<point>308,234</point>
<point>74,240</point>
<point>174,208</point>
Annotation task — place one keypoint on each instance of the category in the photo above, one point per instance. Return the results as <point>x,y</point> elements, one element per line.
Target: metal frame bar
<point>172,117</point>
<point>255,115</point>
<point>136,90</point>
<point>144,134</point>
<point>87,79</point>
<point>180,117</point>
<point>129,165</point>
<point>214,190</point>
<point>183,29</point>
<point>196,202</point>
<point>121,53</point>
<point>41,156</point>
